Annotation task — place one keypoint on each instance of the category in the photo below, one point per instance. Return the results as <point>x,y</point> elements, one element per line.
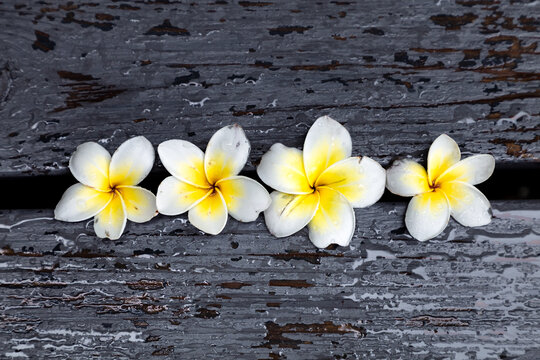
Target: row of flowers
<point>317,187</point>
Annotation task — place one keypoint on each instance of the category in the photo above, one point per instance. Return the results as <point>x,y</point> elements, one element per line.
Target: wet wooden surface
<point>396,74</point>
<point>166,289</point>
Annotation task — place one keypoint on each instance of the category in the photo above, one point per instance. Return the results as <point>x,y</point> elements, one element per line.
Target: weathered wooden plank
<point>166,289</point>
<point>398,75</point>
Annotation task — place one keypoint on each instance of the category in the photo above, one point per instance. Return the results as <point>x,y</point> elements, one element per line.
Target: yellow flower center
<point>434,186</point>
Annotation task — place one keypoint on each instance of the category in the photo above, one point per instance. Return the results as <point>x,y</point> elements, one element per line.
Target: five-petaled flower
<point>207,185</point>
<point>107,188</point>
<point>320,186</point>
<point>445,189</point>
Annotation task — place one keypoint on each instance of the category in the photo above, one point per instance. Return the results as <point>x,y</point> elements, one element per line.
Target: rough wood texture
<point>166,289</point>
<point>397,73</point>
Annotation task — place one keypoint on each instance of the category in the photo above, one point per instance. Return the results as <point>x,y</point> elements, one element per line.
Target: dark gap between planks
<point>44,192</point>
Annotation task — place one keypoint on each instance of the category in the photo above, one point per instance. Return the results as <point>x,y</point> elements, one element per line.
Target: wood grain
<point>397,75</point>
<point>166,289</point>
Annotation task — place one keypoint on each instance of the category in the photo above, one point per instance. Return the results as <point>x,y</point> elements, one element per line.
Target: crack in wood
<point>275,333</point>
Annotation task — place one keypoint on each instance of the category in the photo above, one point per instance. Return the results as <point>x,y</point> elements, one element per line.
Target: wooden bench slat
<point>167,289</point>
<point>397,76</point>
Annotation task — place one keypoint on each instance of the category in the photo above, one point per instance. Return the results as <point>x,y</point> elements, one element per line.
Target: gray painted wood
<point>166,289</point>
<point>397,74</point>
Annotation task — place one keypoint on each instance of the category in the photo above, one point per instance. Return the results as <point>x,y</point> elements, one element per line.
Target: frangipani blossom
<point>320,186</point>
<point>445,189</point>
<point>207,186</point>
<point>107,190</point>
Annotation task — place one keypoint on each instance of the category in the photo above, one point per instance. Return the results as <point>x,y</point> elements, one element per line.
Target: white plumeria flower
<point>320,186</point>
<point>107,188</point>
<point>445,189</point>
<point>207,186</point>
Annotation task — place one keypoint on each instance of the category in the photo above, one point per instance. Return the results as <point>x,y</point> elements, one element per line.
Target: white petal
<point>282,168</point>
<point>473,170</point>
<point>427,215</point>
<point>111,221</point>
<point>210,215</point>
<point>245,198</point>
<point>140,203</point>
<point>131,162</point>
<point>327,142</point>
<point>360,180</point>
<point>81,202</point>
<point>183,160</point>
<point>90,165</point>
<point>334,220</point>
<point>226,153</point>
<point>467,204</point>
<point>443,153</point>
<point>175,197</point>
<point>407,178</point>
<point>288,214</point>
